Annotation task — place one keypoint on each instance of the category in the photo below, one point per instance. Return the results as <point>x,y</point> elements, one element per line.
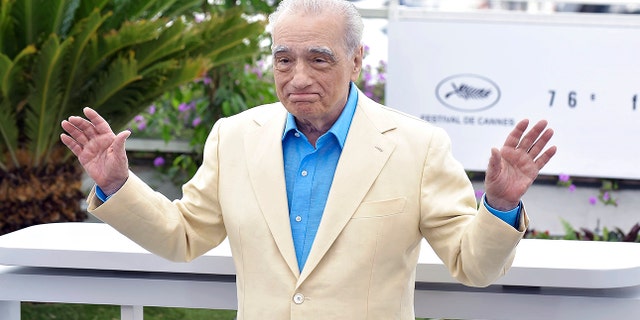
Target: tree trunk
<point>30,196</point>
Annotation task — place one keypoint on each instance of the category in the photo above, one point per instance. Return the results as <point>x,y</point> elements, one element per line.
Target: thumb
<point>120,139</point>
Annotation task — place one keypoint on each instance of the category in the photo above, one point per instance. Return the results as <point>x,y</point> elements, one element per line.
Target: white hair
<point>342,8</point>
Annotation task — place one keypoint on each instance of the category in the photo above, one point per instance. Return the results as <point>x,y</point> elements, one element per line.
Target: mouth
<point>303,97</point>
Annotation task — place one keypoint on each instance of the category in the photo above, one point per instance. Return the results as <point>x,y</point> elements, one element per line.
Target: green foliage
<point>43,311</point>
<point>605,193</point>
<point>570,233</point>
<point>117,56</point>
<point>188,113</point>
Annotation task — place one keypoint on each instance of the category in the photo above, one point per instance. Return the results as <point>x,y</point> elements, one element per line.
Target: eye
<point>320,60</point>
<point>282,63</point>
<point>283,60</point>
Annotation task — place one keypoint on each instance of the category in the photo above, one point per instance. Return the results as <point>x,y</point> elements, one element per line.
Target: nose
<point>301,77</point>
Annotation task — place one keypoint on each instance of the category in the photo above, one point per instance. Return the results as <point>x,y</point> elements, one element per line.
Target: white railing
<point>92,263</point>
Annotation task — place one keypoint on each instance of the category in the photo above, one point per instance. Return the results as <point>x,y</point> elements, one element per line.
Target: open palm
<point>100,152</point>
<point>513,168</point>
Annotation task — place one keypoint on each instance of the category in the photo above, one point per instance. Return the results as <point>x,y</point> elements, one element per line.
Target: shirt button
<point>298,298</point>
<point>297,134</point>
<point>298,218</point>
<point>304,173</point>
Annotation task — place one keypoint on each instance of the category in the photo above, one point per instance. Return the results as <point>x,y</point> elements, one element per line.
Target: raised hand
<point>100,151</point>
<point>514,167</point>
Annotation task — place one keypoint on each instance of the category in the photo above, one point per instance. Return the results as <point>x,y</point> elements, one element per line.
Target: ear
<point>357,63</point>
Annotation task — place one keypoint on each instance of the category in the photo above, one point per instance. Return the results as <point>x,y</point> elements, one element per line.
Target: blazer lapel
<point>266,171</point>
<point>364,155</point>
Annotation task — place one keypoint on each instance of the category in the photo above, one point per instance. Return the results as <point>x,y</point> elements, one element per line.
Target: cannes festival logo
<point>468,92</point>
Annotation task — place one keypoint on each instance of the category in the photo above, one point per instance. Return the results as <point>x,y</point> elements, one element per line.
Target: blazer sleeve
<point>179,230</point>
<point>476,246</point>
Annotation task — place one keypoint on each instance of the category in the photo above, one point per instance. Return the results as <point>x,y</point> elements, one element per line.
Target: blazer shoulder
<point>257,116</point>
<point>386,118</point>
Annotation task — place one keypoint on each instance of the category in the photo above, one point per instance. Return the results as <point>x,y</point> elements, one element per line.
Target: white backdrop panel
<point>477,74</point>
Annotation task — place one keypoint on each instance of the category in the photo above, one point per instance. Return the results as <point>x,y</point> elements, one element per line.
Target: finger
<point>514,137</point>
<point>495,162</point>
<point>544,158</point>
<point>72,144</point>
<point>530,138</point>
<point>101,125</point>
<point>74,132</point>
<point>83,125</point>
<point>539,145</point>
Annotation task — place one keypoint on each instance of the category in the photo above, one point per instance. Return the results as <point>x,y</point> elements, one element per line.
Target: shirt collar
<point>341,127</point>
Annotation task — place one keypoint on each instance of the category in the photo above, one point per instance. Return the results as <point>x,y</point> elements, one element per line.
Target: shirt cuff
<point>511,217</point>
<point>101,195</point>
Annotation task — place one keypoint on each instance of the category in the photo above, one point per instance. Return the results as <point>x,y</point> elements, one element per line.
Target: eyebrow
<point>321,50</point>
<point>279,48</point>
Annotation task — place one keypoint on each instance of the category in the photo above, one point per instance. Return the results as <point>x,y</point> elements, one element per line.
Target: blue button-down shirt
<point>309,173</point>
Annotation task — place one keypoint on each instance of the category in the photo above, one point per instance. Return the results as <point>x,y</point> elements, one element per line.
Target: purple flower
<point>158,161</point>
<point>142,126</point>
<point>572,187</point>
<point>479,194</point>
<point>606,196</point>
<point>563,177</point>
<point>593,200</point>
<point>207,80</point>
<point>152,109</point>
<point>138,119</point>
<point>183,107</point>
<point>368,77</point>
<point>196,121</point>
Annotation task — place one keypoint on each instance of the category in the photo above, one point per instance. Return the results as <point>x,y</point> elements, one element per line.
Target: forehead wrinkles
<point>311,31</point>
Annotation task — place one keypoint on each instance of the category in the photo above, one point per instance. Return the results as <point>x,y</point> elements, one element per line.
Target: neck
<point>313,131</point>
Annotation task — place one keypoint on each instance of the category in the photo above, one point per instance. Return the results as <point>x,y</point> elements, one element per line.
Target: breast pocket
<point>381,208</point>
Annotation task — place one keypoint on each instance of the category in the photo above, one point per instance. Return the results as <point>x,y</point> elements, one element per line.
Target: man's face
<point>312,70</point>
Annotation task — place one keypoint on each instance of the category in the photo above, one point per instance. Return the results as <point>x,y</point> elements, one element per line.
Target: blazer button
<point>298,298</point>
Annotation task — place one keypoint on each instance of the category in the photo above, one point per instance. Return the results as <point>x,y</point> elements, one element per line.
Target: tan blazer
<point>396,182</point>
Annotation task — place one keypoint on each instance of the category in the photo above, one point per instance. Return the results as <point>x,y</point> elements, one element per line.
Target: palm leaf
<point>130,10</point>
<point>12,96</point>
<point>180,7</point>
<point>61,13</point>
<point>8,125</point>
<point>169,43</point>
<point>225,35</point>
<point>83,32</point>
<point>117,56</point>
<point>8,44</point>
<point>121,73</point>
<point>156,81</point>
<point>88,6</point>
<point>26,25</point>
<point>12,80</point>
<point>101,51</point>
<point>47,75</point>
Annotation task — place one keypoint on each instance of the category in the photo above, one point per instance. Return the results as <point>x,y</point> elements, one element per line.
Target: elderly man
<point>326,195</point>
